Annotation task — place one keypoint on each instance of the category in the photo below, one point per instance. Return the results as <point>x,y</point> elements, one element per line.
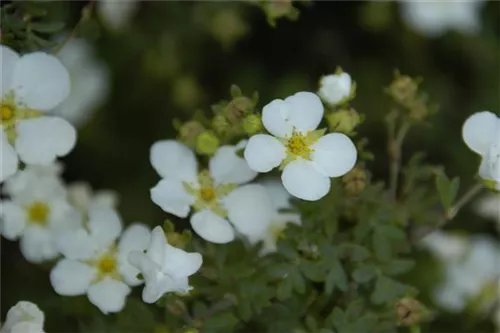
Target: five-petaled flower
<point>32,85</point>
<point>481,133</point>
<point>164,268</point>
<point>24,317</point>
<point>307,157</point>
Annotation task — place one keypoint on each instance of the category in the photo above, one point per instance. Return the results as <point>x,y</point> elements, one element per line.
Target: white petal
<point>71,277</point>
<point>275,118</point>
<point>280,198</point>
<point>171,196</point>
<point>212,227</point>
<point>105,225</point>
<point>135,237</point>
<point>302,180</point>
<point>42,140</point>
<point>156,283</point>
<point>8,157</point>
<point>115,13</point>
<point>156,249</point>
<point>480,130</point>
<point>77,244</point>
<point>172,159</point>
<point>250,209</point>
<point>108,295</point>
<point>334,154</point>
<point>306,111</point>
<point>264,152</point>
<point>40,81</point>
<point>227,167</point>
<point>8,58</point>
<point>23,311</point>
<point>12,220</point>
<point>179,264</point>
<point>38,244</point>
<point>335,88</point>
<point>27,327</point>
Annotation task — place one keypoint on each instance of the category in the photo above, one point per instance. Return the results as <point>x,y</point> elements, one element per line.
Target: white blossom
<point>36,212</point>
<point>307,157</point>
<point>24,317</point>
<point>335,88</point>
<point>164,268</point>
<point>116,14</point>
<point>81,196</point>
<point>95,264</point>
<point>89,82</point>
<point>32,85</point>
<point>433,18</point>
<point>489,207</point>
<point>481,133</point>
<point>207,192</point>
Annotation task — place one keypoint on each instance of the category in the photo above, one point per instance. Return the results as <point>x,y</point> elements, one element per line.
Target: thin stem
<point>468,196</point>
<point>83,17</point>
<point>395,147</point>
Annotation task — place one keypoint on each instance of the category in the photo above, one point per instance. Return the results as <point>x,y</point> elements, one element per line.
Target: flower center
<point>106,264</point>
<point>207,194</point>
<point>11,113</point>
<point>6,113</point>
<point>38,213</point>
<point>299,145</point>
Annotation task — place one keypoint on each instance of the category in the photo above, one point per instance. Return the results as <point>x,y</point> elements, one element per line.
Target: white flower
<point>433,18</point>
<point>81,196</point>
<point>24,317</point>
<point>32,85</point>
<point>272,222</point>
<point>95,265</point>
<point>116,14</point>
<point>89,82</point>
<point>164,267</point>
<point>308,158</point>
<point>37,212</point>
<point>335,88</point>
<point>481,133</point>
<point>489,207</point>
<point>182,187</point>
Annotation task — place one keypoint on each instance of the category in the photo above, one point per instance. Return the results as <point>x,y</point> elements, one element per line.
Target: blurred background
<point>142,64</point>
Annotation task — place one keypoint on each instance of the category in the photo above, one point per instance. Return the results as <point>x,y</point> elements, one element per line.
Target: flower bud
<point>207,143</point>
<point>410,311</point>
<point>252,124</point>
<point>403,89</point>
<point>237,108</point>
<point>343,121</point>
<point>355,181</point>
<point>176,307</point>
<point>189,132</point>
<point>220,124</point>
<point>335,88</point>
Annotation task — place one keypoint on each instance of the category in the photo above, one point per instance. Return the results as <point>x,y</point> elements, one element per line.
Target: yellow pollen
<point>207,194</point>
<point>298,145</point>
<point>38,213</point>
<point>106,264</point>
<point>6,113</point>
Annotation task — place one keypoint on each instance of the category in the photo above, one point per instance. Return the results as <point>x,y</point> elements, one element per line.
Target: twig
<point>395,147</point>
<point>471,193</point>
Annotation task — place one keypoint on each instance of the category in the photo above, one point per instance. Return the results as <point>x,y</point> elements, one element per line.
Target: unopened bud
<point>237,108</point>
<point>410,311</point>
<point>355,181</point>
<point>189,132</point>
<point>418,110</point>
<point>343,121</point>
<point>403,89</point>
<point>252,124</point>
<point>220,124</point>
<point>176,307</point>
<point>207,143</point>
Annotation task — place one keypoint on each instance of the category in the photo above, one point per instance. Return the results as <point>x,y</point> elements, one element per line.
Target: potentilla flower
<point>82,197</point>
<point>481,133</point>
<point>307,157</point>
<point>164,268</point>
<point>95,264</point>
<point>32,85</point>
<point>24,317</point>
<point>433,18</point>
<point>182,187</point>
<point>89,82</point>
<point>36,213</point>
<point>335,88</point>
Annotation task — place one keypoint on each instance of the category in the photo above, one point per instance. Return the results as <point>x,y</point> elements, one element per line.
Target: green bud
<point>252,124</point>
<point>355,181</point>
<point>207,143</point>
<point>403,89</point>
<point>237,108</point>
<point>343,121</point>
<point>220,124</point>
<point>190,131</point>
<point>177,307</point>
<point>418,110</point>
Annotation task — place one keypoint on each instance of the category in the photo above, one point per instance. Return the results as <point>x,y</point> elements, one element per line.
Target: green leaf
<point>336,318</point>
<point>298,281</point>
<point>387,290</point>
<point>383,237</point>
<point>311,323</point>
<point>313,270</point>
<point>244,309</point>
<point>447,189</point>
<point>220,322</point>
<point>279,270</point>
<point>354,252</point>
<point>398,266</point>
<point>47,27</point>
<point>364,273</point>
<point>336,277</point>
<point>285,289</point>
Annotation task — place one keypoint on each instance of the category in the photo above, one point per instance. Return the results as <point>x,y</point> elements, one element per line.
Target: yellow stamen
<point>38,213</point>
<point>106,264</point>
<point>207,194</point>
<point>299,145</point>
<point>6,113</point>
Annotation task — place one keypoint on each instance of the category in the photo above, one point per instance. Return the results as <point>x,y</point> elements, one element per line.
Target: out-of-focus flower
<point>489,207</point>
<point>81,196</point>
<point>481,133</point>
<point>335,88</point>
<point>37,212</point>
<point>307,157</point>
<point>89,82</point>
<point>95,265</point>
<point>32,85</point>
<point>164,268</point>
<point>433,18</point>
<point>207,192</point>
<point>24,317</point>
<point>116,14</point>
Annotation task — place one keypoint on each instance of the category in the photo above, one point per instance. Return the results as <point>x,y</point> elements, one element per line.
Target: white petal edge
<point>37,244</point>
<point>108,295</point>
<point>306,111</point>
<point>42,140</point>
<point>264,152</point>
<point>8,58</point>
<point>212,227</point>
<point>71,277</point>
<point>302,180</point>
<point>20,312</point>
<point>171,196</point>
<point>334,154</point>
<point>227,167</point>
<point>172,159</point>
<point>9,159</point>
<point>135,238</point>
<point>275,118</point>
<point>179,263</point>
<point>105,225</point>
<point>480,130</point>
<point>12,220</point>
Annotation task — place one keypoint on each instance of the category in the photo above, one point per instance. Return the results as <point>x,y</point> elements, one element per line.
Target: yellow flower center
<point>106,264</point>
<point>299,145</point>
<point>207,194</point>
<point>11,112</point>
<point>6,113</point>
<point>38,213</point>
